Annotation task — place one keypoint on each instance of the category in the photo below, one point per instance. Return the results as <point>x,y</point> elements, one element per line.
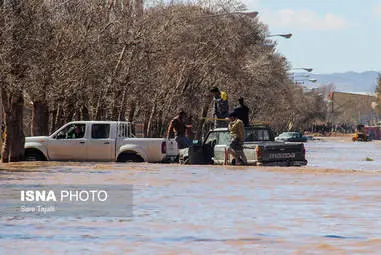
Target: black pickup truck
<point>259,148</point>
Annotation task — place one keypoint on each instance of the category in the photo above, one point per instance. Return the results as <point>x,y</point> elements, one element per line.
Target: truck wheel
<point>34,155</point>
<point>130,157</point>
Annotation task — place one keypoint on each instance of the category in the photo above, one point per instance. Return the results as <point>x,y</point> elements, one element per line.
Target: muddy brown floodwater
<point>332,206</point>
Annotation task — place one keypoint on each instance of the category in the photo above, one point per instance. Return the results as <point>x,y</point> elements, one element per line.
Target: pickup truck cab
<point>259,148</point>
<point>99,141</point>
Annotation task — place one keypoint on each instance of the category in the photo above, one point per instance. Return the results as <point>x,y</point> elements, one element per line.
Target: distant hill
<point>346,82</point>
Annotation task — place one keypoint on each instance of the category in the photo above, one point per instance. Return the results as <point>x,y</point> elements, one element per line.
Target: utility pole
<point>332,108</point>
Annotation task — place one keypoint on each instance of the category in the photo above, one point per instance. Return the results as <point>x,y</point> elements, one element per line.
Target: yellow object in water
<point>360,136</point>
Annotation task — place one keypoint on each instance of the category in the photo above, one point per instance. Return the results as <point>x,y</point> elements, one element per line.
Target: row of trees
<point>92,60</point>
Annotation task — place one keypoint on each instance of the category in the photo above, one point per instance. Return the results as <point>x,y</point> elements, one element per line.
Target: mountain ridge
<point>350,81</point>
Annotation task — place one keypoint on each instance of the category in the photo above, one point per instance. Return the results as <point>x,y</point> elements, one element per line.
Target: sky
<point>330,36</point>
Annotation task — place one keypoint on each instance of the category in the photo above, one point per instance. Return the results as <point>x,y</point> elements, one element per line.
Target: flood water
<point>342,153</point>
<point>332,206</point>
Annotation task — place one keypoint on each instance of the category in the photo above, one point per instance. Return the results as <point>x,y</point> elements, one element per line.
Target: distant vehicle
<point>291,137</point>
<point>259,148</point>
<point>361,134</point>
<point>99,141</point>
<point>309,137</point>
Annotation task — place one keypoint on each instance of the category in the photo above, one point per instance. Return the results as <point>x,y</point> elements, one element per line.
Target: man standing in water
<point>177,129</point>
<point>237,137</point>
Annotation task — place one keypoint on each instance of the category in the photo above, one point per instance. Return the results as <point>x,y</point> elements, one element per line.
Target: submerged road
<point>332,206</point>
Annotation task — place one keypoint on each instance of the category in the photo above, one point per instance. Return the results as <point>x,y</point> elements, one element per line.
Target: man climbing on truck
<point>220,107</point>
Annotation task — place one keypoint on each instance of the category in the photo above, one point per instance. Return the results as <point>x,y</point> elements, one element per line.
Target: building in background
<point>351,108</point>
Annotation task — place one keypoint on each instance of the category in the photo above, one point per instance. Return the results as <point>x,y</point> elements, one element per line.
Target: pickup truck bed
<point>275,153</point>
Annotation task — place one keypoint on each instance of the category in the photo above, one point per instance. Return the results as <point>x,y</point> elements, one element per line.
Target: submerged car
<point>291,137</point>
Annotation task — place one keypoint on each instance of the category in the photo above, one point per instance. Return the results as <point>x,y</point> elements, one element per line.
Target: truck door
<point>208,147</point>
<point>221,144</point>
<point>101,146</point>
<point>69,143</point>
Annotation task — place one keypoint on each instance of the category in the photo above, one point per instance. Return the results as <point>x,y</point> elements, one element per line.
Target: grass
<point>368,159</point>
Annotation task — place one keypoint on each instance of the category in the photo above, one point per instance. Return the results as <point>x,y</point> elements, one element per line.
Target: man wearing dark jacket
<point>242,112</point>
<point>220,106</point>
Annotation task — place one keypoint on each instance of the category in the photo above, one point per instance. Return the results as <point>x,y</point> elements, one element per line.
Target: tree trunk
<point>132,111</point>
<point>204,113</point>
<point>145,125</point>
<point>150,120</point>
<point>52,121</point>
<point>69,111</point>
<point>59,117</point>
<point>13,147</point>
<point>157,131</point>
<point>122,111</point>
<point>85,113</point>
<point>115,107</point>
<point>40,118</point>
<point>12,94</point>
<point>100,104</point>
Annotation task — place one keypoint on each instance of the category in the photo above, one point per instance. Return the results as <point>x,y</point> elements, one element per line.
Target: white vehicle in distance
<point>99,141</point>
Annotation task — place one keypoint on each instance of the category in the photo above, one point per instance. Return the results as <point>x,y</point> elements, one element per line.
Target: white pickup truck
<point>99,141</point>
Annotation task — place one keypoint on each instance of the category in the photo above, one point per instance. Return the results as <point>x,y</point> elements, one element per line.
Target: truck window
<point>251,135</point>
<point>100,131</point>
<point>211,138</point>
<point>263,135</point>
<point>72,131</point>
<point>257,135</point>
<point>123,130</point>
<point>223,138</point>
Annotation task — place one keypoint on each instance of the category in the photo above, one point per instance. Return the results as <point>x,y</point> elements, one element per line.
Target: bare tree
<point>111,60</point>
<point>14,26</point>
